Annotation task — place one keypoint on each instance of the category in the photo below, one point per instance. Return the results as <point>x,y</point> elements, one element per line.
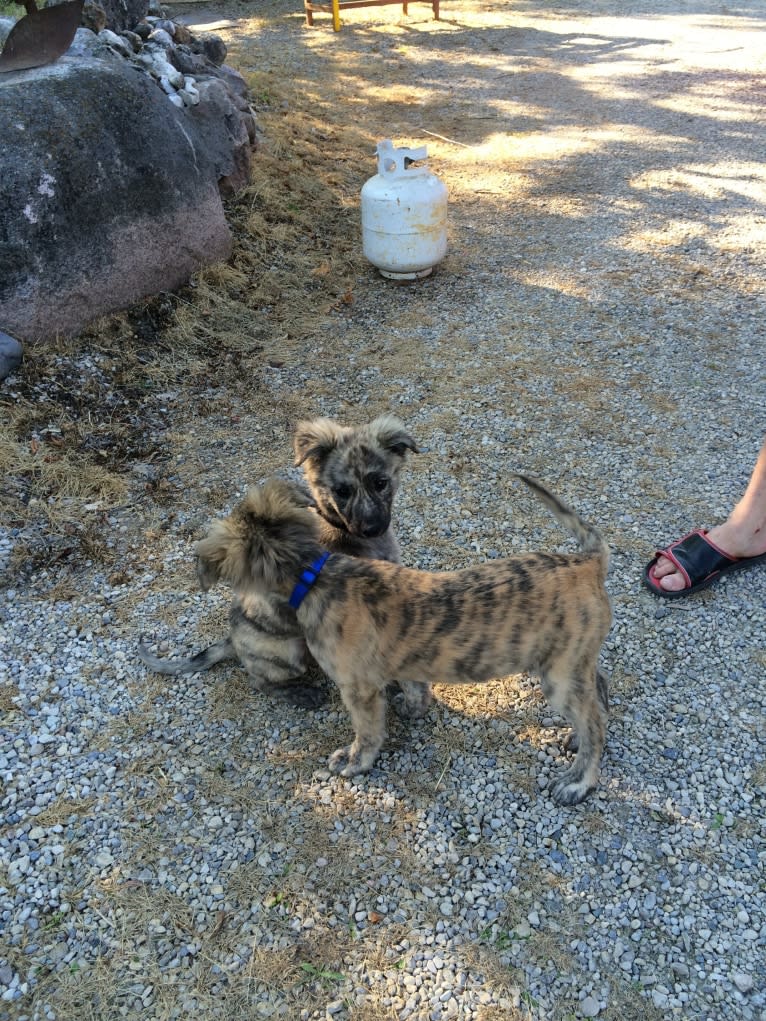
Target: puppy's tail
<point>221,649</point>
<point>589,537</point>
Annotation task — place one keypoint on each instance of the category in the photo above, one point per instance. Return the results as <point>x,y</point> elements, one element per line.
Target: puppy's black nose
<point>372,529</point>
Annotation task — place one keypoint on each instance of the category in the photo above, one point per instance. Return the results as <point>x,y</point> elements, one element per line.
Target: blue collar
<point>308,578</point>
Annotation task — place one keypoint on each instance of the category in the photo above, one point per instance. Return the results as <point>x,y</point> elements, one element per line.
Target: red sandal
<point>700,562</point>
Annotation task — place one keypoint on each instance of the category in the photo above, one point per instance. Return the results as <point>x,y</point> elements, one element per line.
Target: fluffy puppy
<point>352,475</point>
<point>369,623</point>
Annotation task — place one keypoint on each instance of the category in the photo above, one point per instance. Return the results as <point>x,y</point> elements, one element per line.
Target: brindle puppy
<point>368,623</point>
<point>353,476</point>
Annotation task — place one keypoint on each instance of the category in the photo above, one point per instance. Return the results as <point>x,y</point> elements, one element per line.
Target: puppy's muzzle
<point>370,529</point>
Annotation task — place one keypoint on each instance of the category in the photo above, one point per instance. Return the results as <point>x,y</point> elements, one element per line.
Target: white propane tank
<point>404,215</point>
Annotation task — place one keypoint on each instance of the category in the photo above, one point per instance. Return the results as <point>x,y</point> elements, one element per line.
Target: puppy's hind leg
<point>296,692</point>
<point>582,699</point>
<point>278,671</point>
<point>571,742</point>
<point>367,706</point>
<point>412,700</point>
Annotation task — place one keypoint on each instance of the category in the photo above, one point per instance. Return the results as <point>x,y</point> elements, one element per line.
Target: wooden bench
<point>336,6</point>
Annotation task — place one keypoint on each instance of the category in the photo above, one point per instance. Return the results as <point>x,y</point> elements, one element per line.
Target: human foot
<point>700,558</point>
<point>737,543</point>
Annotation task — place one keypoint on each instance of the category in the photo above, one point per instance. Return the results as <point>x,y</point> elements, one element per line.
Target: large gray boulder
<point>108,193</point>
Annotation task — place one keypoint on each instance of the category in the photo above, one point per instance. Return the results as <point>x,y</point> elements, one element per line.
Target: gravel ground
<point>176,848</point>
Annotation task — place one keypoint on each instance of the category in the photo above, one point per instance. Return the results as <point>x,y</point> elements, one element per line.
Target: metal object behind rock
<point>40,37</point>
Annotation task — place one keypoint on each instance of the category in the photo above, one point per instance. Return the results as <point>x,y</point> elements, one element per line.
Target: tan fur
<point>368,623</point>
<point>352,475</point>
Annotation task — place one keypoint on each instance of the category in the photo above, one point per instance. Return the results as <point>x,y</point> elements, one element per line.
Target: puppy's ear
<point>221,555</point>
<point>391,434</point>
<point>207,573</point>
<point>315,439</point>
<point>298,495</point>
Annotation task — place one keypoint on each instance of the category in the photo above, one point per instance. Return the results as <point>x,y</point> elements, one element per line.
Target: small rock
<point>189,63</point>
<point>133,40</point>
<point>115,42</point>
<point>93,17</point>
<point>85,42</point>
<point>742,981</point>
<point>212,46</point>
<point>162,38</point>
<point>590,1007</point>
<point>189,94</point>
<point>10,355</point>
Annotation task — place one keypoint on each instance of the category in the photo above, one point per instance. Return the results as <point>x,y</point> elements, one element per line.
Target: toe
<point>663,567</point>
<point>673,582</point>
<point>666,575</point>
<point>338,760</point>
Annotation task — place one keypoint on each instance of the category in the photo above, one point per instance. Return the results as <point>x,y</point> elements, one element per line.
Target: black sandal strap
<point>696,557</point>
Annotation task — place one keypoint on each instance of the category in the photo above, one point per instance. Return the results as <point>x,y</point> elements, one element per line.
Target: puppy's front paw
<point>346,762</point>
<point>571,742</point>
<point>571,789</point>
<point>338,761</point>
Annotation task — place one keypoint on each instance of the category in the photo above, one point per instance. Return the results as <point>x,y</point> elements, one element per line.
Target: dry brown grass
<point>8,692</point>
<point>499,1014</point>
<point>65,810</point>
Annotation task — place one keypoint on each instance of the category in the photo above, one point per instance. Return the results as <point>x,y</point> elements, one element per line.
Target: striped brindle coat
<point>369,623</point>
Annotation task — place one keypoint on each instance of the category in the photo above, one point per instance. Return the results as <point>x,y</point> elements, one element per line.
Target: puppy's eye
<point>379,483</point>
<point>343,492</point>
